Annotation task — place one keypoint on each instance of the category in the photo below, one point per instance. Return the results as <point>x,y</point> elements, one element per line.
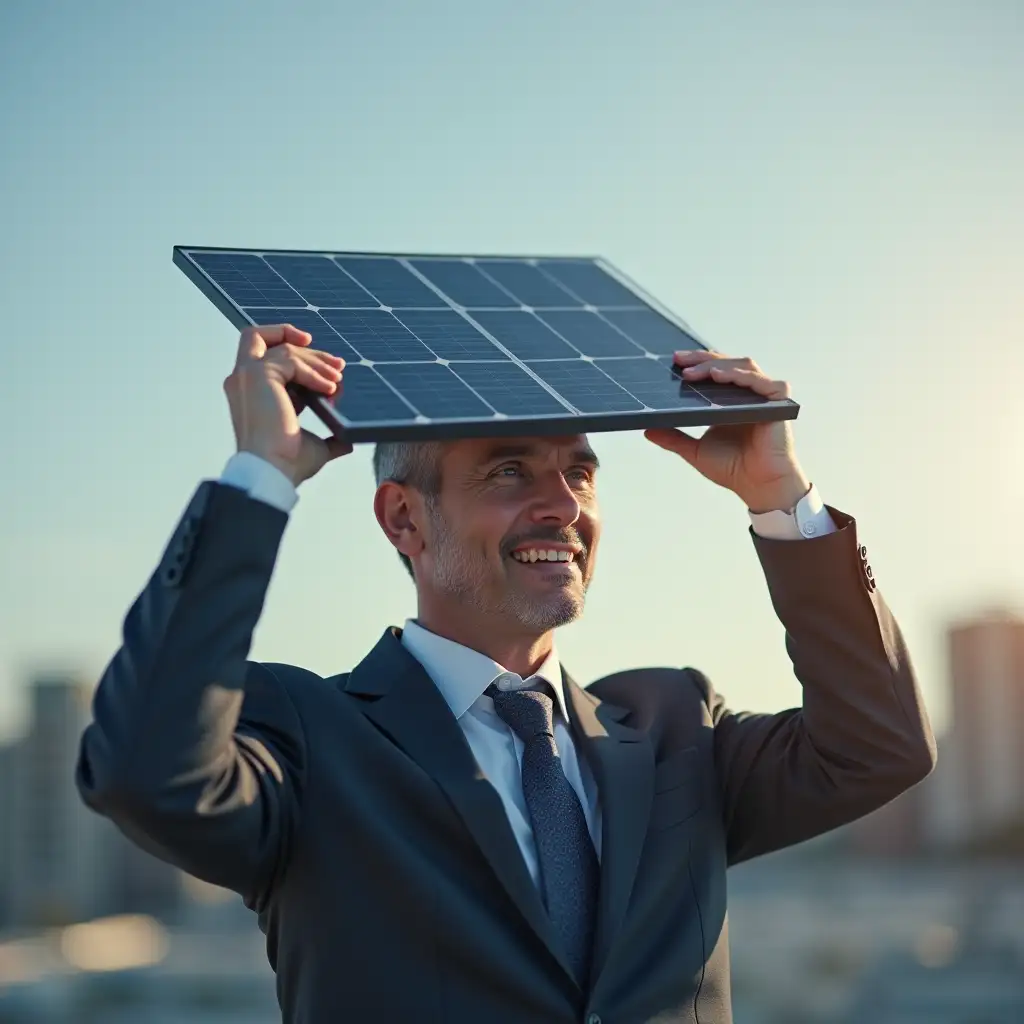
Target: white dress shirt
<point>462,675</point>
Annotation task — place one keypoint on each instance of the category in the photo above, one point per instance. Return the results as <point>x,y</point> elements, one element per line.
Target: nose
<point>556,502</point>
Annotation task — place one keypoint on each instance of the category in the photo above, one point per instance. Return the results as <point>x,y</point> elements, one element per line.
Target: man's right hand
<point>262,412</point>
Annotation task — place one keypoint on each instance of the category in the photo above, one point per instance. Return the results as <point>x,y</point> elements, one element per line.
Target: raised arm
<point>862,736</point>
<point>194,752</point>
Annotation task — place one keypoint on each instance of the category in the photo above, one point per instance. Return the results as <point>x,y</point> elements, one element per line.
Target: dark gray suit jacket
<point>351,815</point>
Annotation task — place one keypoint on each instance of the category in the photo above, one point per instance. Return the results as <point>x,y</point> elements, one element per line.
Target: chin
<point>550,614</point>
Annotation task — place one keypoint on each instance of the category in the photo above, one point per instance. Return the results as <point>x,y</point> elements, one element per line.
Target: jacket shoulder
<point>637,688</point>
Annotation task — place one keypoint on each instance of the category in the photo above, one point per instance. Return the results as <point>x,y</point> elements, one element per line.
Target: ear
<point>399,513</point>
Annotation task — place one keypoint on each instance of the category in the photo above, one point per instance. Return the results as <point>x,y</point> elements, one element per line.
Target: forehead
<point>479,451</point>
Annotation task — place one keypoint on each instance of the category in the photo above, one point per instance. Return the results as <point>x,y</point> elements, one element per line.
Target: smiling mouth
<point>547,556</point>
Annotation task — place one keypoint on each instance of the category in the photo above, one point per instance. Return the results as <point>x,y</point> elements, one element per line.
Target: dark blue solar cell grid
<point>247,280</point>
<point>523,334</point>
<point>588,333</point>
<point>321,282</point>
<point>589,283</point>
<point>365,398</point>
<point>653,382</point>
<point>543,339</point>
<point>585,386</point>
<point>434,390</point>
<point>391,283</point>
<point>449,334</point>
<point>509,389</point>
<point>464,284</point>
<point>531,286</point>
<point>376,335</point>
<point>324,336</point>
<point>651,330</point>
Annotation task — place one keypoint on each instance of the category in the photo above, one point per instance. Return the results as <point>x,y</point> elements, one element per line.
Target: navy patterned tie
<point>568,861</point>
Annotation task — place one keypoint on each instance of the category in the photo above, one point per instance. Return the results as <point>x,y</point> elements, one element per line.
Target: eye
<point>509,470</point>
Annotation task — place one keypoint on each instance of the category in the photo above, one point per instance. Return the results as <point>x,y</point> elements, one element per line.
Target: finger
<point>321,362</point>
<point>754,380</point>
<point>254,341</point>
<point>283,334</point>
<point>327,358</point>
<point>701,370</point>
<point>674,441</point>
<point>293,367</point>
<point>689,356</point>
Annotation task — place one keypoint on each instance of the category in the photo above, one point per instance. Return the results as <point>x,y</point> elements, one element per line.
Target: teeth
<point>542,555</point>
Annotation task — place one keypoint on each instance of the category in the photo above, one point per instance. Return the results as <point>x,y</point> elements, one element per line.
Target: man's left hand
<point>756,461</point>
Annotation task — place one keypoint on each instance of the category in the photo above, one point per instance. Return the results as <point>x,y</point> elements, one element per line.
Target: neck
<point>516,651</point>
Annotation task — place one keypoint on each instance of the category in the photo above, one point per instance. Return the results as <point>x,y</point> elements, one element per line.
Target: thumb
<point>676,441</point>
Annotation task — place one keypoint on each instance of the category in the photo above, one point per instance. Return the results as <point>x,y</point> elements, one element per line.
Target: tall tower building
<point>61,861</point>
<point>55,848</point>
<point>986,658</point>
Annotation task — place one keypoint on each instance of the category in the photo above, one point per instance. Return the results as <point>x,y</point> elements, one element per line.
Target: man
<point>455,831</point>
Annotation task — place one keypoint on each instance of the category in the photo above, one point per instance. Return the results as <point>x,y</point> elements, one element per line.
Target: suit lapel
<point>623,763</point>
<point>408,707</point>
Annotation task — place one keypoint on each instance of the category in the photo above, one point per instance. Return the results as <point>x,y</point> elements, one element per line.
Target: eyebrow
<point>497,452</point>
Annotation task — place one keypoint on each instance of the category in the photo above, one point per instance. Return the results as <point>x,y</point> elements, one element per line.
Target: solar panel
<point>473,346</point>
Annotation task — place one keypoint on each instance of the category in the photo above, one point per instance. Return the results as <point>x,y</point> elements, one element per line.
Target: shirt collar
<point>462,674</point>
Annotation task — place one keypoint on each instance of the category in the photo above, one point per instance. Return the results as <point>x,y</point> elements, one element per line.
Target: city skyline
<point>62,863</point>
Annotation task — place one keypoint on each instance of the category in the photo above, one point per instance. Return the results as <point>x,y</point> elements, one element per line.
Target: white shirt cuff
<point>809,519</point>
<point>260,480</point>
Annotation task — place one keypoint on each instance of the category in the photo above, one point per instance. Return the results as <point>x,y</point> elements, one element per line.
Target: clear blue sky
<point>833,188</point>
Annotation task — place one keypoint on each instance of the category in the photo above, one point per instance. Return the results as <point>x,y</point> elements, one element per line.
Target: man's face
<point>516,528</point>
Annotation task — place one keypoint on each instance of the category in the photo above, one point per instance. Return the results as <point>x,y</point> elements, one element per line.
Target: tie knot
<point>528,712</point>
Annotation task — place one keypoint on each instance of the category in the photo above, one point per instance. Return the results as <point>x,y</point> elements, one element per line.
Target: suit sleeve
<point>194,752</point>
<point>861,736</point>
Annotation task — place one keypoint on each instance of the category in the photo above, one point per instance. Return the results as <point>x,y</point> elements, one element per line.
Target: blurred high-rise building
<point>986,657</point>
<point>977,788</point>
<point>60,861</point>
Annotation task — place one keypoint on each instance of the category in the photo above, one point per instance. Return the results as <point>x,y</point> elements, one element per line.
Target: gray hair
<point>415,464</point>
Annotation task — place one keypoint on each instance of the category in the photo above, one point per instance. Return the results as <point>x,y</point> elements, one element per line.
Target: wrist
<point>781,496</point>
<point>283,466</point>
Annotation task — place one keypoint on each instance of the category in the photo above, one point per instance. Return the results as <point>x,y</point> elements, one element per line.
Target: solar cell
<point>464,346</point>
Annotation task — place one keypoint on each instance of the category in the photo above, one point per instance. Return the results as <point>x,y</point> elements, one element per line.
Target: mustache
<point>553,536</point>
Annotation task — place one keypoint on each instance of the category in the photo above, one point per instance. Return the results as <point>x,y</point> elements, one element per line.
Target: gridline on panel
<point>509,389</point>
<point>651,331</point>
<point>589,283</point>
<point>523,334</point>
<point>376,335</point>
<point>324,336</point>
<point>434,390</point>
<point>247,280</point>
<point>321,282</point>
<point>449,334</point>
<point>652,382</point>
<point>530,285</point>
<point>585,386</point>
<point>589,333</point>
<point>365,398</point>
<point>390,283</point>
<point>464,284</point>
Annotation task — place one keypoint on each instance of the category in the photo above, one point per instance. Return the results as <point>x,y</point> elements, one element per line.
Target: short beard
<point>458,575</point>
